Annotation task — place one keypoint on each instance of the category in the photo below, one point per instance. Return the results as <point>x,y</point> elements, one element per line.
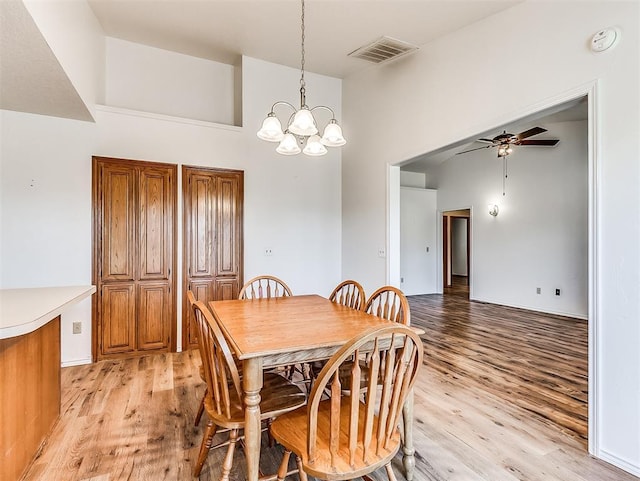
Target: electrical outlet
<point>538,290</point>
<point>557,292</point>
<point>402,279</point>
<point>381,252</point>
<point>427,248</point>
<point>77,327</point>
<point>268,252</point>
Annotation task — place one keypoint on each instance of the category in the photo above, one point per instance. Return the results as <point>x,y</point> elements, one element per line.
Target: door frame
<point>590,90</point>
<point>462,213</point>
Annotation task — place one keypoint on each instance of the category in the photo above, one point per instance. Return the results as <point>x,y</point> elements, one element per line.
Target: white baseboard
<point>533,308</point>
<point>75,362</point>
<point>619,462</point>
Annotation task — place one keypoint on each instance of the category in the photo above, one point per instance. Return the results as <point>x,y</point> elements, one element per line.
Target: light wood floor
<point>133,419</point>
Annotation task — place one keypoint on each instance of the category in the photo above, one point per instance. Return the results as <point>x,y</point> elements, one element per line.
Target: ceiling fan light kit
<point>302,128</point>
<point>505,141</point>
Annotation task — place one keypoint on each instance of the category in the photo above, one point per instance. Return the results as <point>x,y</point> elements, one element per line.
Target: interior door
<point>213,239</point>
<point>134,206</point>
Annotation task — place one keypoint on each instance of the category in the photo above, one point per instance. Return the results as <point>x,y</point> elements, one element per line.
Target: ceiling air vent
<point>383,50</point>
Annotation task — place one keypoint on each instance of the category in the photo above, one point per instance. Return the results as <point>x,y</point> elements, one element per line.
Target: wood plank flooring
<point>133,419</point>
<point>534,360</point>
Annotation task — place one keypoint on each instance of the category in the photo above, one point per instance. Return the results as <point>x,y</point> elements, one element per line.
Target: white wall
<point>412,179</point>
<point>540,236</point>
<point>76,38</point>
<point>183,86</point>
<point>45,192</point>
<point>295,204</point>
<point>292,204</point>
<point>459,246</point>
<point>457,87</point>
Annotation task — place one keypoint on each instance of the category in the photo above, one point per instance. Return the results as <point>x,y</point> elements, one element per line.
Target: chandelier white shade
<point>271,130</point>
<point>314,146</point>
<point>288,145</point>
<point>301,134</point>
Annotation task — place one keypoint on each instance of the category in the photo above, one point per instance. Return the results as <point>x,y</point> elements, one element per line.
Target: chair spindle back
<point>392,352</point>
<point>349,293</point>
<point>221,373</point>
<point>389,303</point>
<point>264,287</point>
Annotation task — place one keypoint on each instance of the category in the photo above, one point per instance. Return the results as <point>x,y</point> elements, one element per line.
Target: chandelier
<point>302,131</point>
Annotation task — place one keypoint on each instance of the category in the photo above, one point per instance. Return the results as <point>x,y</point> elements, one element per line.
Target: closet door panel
<point>154,307</point>
<point>226,289</point>
<point>202,207</point>
<point>155,222</point>
<point>117,228</point>
<point>203,291</point>
<point>118,309</point>
<point>228,228</point>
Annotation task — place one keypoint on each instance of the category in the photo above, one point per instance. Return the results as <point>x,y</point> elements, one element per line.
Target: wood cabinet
<point>134,209</point>
<point>213,238</point>
<point>30,387</point>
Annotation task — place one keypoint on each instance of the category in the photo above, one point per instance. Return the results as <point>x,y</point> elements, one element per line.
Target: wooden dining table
<point>280,331</point>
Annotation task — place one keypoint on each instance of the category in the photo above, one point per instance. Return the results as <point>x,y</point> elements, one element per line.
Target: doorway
<point>456,250</point>
<point>584,95</point>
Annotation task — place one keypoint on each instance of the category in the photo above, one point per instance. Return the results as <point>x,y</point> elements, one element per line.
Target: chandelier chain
<point>302,128</point>
<point>302,83</point>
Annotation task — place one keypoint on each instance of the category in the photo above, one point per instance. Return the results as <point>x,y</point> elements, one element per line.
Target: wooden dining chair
<point>349,293</point>
<point>346,436</point>
<point>191,299</point>
<point>389,303</point>
<point>224,402</point>
<point>266,287</point>
<point>262,287</point>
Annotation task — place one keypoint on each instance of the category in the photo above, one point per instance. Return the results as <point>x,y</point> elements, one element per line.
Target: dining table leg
<point>408,458</point>
<point>252,384</point>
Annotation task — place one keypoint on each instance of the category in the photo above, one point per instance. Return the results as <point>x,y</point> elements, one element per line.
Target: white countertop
<point>25,310</point>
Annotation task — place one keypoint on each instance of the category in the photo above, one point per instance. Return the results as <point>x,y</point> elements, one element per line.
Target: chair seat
<point>291,431</point>
<point>278,395</point>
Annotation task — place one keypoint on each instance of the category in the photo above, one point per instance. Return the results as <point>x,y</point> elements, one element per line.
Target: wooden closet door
<point>134,259</point>
<point>213,202</point>
<point>116,289</point>
<point>155,255</point>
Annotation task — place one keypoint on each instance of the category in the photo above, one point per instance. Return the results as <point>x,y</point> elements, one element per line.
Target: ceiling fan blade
<point>490,141</point>
<point>478,148</point>
<point>547,142</point>
<point>530,133</point>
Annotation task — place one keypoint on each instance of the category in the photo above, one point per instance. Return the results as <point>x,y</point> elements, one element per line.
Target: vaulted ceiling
<point>270,29</point>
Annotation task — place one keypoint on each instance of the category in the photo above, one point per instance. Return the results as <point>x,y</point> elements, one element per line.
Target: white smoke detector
<point>604,39</point>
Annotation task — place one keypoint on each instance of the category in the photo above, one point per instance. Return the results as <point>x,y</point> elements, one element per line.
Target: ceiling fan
<point>505,140</point>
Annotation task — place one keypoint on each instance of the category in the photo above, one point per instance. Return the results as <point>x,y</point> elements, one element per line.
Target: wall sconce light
<point>493,210</point>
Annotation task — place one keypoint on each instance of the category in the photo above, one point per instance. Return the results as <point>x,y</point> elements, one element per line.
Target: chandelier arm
<point>333,114</point>
<point>282,102</point>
